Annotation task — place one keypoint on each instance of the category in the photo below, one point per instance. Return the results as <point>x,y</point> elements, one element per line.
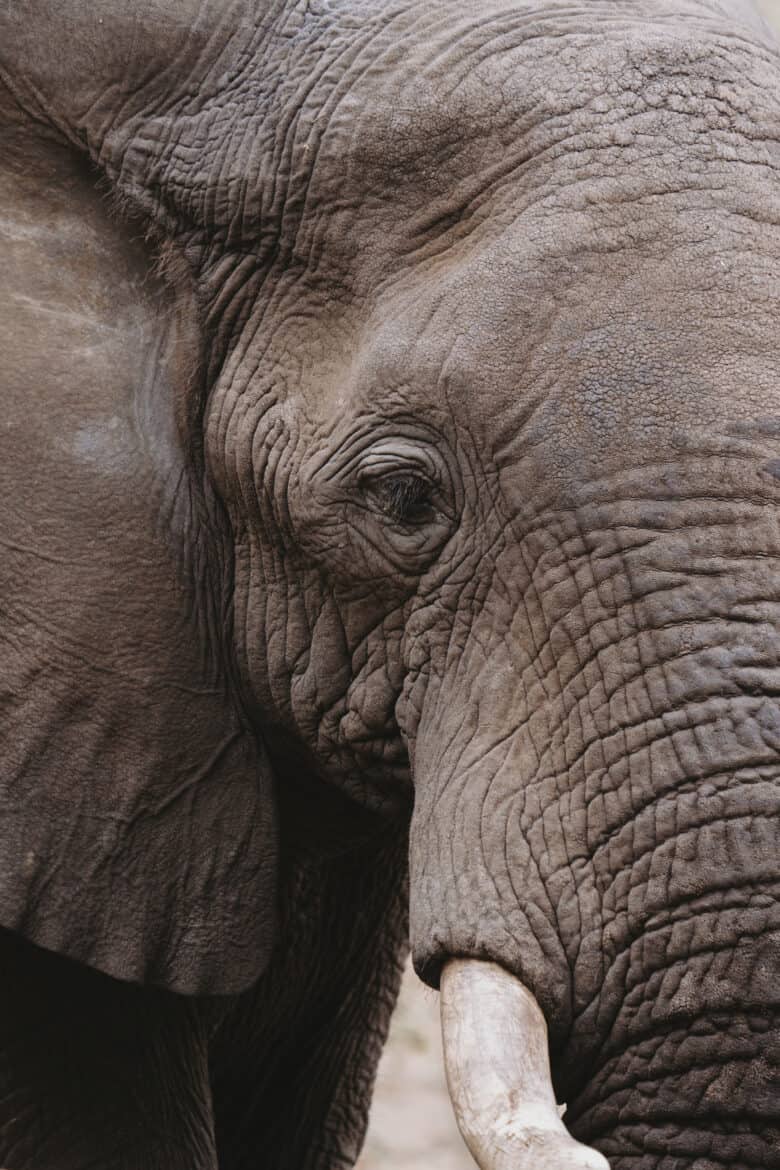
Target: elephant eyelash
<point>406,499</point>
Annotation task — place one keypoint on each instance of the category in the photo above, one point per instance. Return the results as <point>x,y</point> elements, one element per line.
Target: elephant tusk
<point>498,1073</point>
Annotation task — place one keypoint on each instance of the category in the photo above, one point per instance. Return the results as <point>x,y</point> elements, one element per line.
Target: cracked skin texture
<point>390,418</point>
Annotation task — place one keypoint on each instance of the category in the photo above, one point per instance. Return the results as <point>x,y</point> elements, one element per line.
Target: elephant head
<point>391,436</point>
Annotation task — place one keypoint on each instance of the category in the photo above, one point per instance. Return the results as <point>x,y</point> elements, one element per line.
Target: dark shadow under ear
<point>137,826</point>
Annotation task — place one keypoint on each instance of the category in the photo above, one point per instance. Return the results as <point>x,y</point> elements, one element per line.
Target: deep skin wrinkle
<point>461,453</point>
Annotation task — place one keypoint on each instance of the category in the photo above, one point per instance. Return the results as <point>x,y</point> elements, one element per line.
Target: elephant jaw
<point>498,1073</point>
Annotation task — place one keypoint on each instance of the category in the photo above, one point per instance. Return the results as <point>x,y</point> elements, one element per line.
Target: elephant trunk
<point>596,810</point>
<point>498,1073</point>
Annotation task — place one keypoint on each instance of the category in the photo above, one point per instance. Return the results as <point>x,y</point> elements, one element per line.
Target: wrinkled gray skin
<point>391,415</point>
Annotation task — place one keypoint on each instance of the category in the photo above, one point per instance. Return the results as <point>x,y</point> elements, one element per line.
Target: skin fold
<point>389,526</point>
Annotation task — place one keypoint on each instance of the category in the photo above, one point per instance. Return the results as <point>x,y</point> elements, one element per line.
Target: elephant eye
<point>406,498</point>
<point>397,497</point>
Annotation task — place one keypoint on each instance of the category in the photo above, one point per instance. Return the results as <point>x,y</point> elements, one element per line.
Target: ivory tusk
<point>498,1073</point>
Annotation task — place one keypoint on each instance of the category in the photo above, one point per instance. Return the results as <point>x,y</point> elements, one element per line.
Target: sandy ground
<point>411,1122</point>
<point>771,9</point>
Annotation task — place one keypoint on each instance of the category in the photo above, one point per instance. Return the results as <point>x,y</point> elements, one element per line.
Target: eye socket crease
<point>394,499</point>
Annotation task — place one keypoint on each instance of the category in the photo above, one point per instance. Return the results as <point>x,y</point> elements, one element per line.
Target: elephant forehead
<point>406,112</point>
<point>563,358</point>
<point>464,138</point>
<point>580,335</point>
<point>575,293</point>
<point>467,180</point>
<point>458,79</point>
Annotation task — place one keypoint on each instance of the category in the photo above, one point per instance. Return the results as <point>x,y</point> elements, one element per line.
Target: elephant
<point>390,546</point>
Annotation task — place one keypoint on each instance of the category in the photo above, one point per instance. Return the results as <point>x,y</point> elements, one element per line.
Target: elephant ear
<point>137,831</point>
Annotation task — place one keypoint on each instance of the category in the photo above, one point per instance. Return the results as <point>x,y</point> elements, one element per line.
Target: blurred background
<point>411,1121</point>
